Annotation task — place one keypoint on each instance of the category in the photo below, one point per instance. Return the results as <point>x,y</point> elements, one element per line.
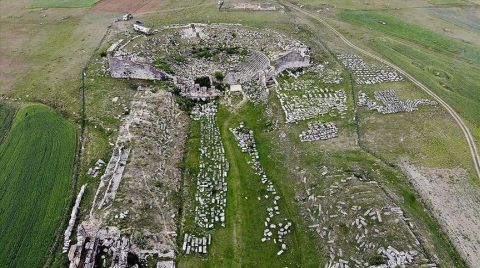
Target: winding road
<point>456,117</point>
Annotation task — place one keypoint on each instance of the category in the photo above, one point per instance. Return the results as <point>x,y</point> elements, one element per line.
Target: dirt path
<point>456,117</point>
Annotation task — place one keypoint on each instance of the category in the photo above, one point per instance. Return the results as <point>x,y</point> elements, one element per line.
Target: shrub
<point>218,75</point>
<point>161,64</point>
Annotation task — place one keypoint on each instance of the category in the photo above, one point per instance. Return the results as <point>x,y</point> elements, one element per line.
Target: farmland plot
<point>6,115</point>
<point>36,161</point>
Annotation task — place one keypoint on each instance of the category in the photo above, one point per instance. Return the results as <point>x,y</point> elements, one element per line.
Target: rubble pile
<point>397,258</point>
<point>194,244</point>
<point>256,93</point>
<point>359,224</point>
<point>133,211</point>
<point>391,103</point>
<point>276,226</point>
<point>330,76</point>
<point>303,100</point>
<point>319,131</point>
<point>211,194</point>
<point>73,218</point>
<point>211,190</point>
<point>368,74</point>
<point>96,169</point>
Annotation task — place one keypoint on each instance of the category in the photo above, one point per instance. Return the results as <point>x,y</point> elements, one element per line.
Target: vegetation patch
<point>412,33</point>
<point>162,64</point>
<point>36,163</point>
<point>63,3</point>
<point>7,113</point>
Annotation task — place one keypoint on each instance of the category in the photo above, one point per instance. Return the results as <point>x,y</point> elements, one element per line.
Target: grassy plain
<point>7,113</point>
<point>239,245</point>
<point>412,33</point>
<point>62,3</point>
<point>430,59</point>
<point>36,162</point>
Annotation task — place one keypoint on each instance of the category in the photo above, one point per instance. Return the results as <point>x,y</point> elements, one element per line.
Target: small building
<point>127,17</point>
<point>138,26</point>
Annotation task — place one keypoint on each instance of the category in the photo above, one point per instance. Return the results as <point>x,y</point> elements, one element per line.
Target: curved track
<point>456,117</point>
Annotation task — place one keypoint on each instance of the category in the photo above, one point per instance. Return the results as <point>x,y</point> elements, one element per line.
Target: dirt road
<point>456,117</point>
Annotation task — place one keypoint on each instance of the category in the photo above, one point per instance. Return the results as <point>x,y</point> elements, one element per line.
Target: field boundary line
<point>466,131</point>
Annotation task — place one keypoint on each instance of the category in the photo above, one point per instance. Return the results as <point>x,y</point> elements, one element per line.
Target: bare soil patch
<point>10,68</point>
<point>125,6</point>
<point>455,202</point>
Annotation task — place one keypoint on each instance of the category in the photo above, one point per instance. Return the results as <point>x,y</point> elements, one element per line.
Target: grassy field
<point>449,75</point>
<point>7,113</point>
<point>465,18</point>
<point>36,161</point>
<point>412,33</point>
<point>239,245</point>
<point>62,3</point>
<point>377,4</point>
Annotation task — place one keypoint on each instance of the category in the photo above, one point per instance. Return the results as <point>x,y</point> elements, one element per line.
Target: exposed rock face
<point>125,68</point>
<point>291,60</point>
<point>252,67</point>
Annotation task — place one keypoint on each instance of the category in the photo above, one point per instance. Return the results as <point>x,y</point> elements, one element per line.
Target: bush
<point>218,75</point>
<point>203,81</point>
<point>376,260</point>
<point>203,52</point>
<point>179,58</point>
<point>161,64</point>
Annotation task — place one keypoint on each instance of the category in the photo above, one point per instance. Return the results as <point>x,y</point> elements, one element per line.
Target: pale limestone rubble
<point>319,131</point>
<point>356,221</point>
<point>211,188</point>
<point>73,218</point>
<point>368,74</point>
<point>390,103</point>
<point>249,57</point>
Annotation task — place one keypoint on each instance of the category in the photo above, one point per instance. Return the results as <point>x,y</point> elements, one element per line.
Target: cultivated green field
<point>6,117</point>
<point>62,3</point>
<point>36,162</point>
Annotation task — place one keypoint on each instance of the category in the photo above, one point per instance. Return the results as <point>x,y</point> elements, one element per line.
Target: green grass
<point>7,113</point>
<point>429,58</point>
<point>63,3</point>
<point>454,81</point>
<point>36,162</point>
<point>239,245</point>
<point>413,33</point>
